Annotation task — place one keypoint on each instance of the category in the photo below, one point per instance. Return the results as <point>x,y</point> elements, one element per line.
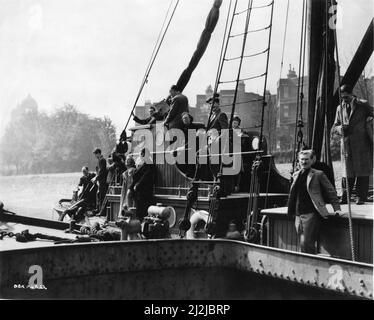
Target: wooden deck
<point>45,227</point>
<point>11,243</point>
<point>364,212</point>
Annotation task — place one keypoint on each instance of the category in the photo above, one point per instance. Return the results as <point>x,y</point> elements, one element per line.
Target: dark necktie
<point>349,110</point>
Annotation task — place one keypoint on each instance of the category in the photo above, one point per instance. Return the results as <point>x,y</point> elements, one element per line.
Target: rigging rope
<point>350,224</point>
<point>298,137</point>
<point>284,38</point>
<point>225,44</point>
<point>245,36</point>
<point>264,103</point>
<point>155,52</point>
<point>219,71</point>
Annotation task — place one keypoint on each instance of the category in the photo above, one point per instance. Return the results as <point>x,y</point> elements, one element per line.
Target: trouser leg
<point>351,183</point>
<point>362,187</point>
<point>307,228</point>
<point>101,192</point>
<point>142,203</point>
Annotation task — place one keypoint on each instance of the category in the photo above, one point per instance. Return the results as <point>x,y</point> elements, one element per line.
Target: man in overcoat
<point>353,120</point>
<point>142,184</point>
<point>179,104</point>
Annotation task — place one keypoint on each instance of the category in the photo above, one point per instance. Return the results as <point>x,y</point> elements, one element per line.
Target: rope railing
<point>243,79</point>
<point>243,102</point>
<point>250,31</point>
<point>248,56</point>
<point>257,7</point>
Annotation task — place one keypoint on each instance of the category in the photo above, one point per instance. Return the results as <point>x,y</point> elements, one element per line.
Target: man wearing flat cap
<point>353,121</point>
<point>179,104</point>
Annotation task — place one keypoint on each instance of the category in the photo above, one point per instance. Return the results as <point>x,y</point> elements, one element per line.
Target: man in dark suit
<point>309,191</point>
<point>219,119</point>
<point>153,117</point>
<point>179,104</point>
<point>351,122</point>
<point>142,184</point>
<point>100,179</point>
<point>218,122</point>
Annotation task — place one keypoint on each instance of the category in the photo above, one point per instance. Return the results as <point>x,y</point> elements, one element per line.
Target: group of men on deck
<point>311,189</point>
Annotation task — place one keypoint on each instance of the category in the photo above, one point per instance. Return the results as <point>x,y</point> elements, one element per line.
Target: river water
<point>35,195</point>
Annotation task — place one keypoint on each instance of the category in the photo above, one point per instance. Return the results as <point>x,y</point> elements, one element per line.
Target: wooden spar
<point>316,17</point>
<point>30,221</point>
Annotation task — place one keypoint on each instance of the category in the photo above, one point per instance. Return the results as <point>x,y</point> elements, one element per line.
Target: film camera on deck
<point>158,222</point>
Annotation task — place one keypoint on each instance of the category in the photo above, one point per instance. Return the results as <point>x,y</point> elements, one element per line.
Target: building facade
<point>286,108</point>
<point>248,108</point>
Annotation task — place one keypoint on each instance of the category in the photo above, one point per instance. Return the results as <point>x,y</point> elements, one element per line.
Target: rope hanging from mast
<point>264,104</point>
<point>299,122</point>
<point>225,44</point>
<point>244,42</point>
<point>154,55</point>
<point>284,39</point>
<point>350,224</point>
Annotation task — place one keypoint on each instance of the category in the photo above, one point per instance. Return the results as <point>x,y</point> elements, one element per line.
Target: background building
<point>142,111</point>
<point>248,108</point>
<point>286,102</point>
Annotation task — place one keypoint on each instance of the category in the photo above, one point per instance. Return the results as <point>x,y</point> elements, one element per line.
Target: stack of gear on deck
<point>156,224</point>
<point>99,233</point>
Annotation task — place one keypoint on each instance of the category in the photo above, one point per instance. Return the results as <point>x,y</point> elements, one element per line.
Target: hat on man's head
<point>97,151</point>
<point>174,87</point>
<point>346,88</point>
<point>186,113</point>
<point>214,98</point>
<point>236,118</point>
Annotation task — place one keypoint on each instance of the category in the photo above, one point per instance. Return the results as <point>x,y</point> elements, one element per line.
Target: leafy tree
<point>35,142</point>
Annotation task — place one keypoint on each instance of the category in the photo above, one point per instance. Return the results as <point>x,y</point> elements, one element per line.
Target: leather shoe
<point>343,201</point>
<point>360,202</point>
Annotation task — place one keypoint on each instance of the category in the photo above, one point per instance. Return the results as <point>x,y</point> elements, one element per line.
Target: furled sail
<point>210,25</point>
<point>321,79</point>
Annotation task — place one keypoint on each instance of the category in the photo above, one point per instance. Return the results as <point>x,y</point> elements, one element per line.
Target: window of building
<point>286,110</point>
<point>285,92</point>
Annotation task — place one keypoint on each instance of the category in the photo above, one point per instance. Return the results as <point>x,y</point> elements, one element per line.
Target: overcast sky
<point>93,53</point>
